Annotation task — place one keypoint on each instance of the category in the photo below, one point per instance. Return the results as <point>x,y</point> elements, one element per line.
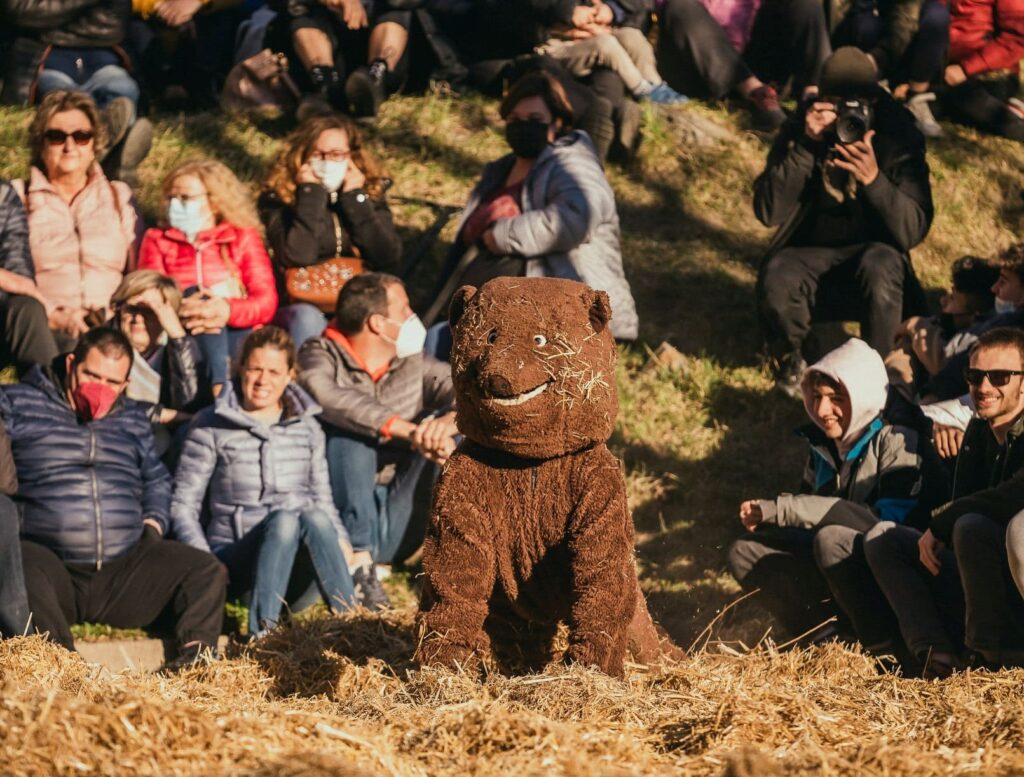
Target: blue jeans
<point>439,341</point>
<point>302,321</point>
<point>376,516</point>
<point>286,559</point>
<point>13,599</point>
<point>103,85</point>
<point>218,351</point>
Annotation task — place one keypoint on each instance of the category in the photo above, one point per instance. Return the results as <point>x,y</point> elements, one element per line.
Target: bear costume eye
<point>492,336</point>
<point>540,340</point>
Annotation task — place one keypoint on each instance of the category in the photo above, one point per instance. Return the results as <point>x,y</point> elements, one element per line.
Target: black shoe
<point>365,91</point>
<point>117,115</point>
<point>790,373</point>
<point>369,590</point>
<point>327,85</point>
<point>190,656</point>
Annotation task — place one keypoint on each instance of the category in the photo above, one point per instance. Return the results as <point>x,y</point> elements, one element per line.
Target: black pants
<point>27,340</point>
<point>132,591</point>
<point>981,103</point>
<point>696,57</point>
<point>13,600</point>
<point>800,285</point>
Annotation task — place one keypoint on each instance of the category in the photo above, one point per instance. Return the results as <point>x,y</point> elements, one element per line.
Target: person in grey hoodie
<point>260,453</point>
<point>546,209</point>
<point>802,550</point>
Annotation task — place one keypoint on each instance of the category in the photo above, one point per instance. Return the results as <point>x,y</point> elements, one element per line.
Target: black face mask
<point>527,138</point>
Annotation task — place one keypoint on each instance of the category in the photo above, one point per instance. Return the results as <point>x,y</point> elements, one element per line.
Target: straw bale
<point>339,696</point>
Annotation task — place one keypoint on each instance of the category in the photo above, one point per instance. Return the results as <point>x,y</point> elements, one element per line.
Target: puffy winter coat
<point>569,226</point>
<point>209,263</point>
<point>83,249</point>
<point>71,23</point>
<point>15,254</point>
<point>986,35</point>
<point>84,487</point>
<point>250,470</point>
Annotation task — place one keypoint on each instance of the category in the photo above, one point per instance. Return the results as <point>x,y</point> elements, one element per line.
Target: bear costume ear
<point>600,309</point>
<point>458,304</point>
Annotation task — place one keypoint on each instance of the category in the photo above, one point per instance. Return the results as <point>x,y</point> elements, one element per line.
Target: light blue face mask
<point>186,216</point>
<point>1004,306</point>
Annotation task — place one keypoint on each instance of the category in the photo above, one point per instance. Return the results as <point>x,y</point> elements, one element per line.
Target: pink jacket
<point>81,250</point>
<point>169,251</point>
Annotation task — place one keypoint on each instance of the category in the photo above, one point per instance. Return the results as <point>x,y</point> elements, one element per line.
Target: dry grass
<point>340,697</point>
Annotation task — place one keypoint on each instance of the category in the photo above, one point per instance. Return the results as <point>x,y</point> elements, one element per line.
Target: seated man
<point>939,610</point>
<point>849,212</point>
<point>95,501</point>
<point>387,410</point>
<point>804,549</point>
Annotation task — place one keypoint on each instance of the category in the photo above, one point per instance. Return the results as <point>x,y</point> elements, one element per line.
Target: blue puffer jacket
<point>84,487</point>
<point>250,469</point>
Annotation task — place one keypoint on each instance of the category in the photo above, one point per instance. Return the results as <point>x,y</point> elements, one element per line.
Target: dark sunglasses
<point>132,310</point>
<point>56,137</point>
<point>998,378</point>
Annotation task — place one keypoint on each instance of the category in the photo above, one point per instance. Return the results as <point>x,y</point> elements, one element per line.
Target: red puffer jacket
<point>168,251</point>
<point>986,35</point>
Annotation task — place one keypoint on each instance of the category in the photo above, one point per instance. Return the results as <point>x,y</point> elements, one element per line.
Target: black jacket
<point>305,233</point>
<point>989,478</point>
<point>895,209</point>
<point>15,254</point>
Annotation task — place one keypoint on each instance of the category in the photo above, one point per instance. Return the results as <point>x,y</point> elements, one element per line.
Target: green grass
<point>695,441</point>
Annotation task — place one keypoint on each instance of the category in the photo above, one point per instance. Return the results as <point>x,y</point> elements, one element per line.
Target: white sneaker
<point>918,105</point>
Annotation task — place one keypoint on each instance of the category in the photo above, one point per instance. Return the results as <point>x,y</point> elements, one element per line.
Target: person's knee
<point>25,308</point>
<point>743,555</point>
<point>934,18</point>
<point>807,11</point>
<point>881,540</point>
<point>682,13</point>
<point>881,263</point>
<point>317,523</point>
<point>973,533</point>
<point>832,545</point>
<point>282,526</point>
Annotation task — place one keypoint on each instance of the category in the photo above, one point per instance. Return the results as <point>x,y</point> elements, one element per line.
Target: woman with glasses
<point>83,228</point>
<point>324,198</point>
<point>211,245</point>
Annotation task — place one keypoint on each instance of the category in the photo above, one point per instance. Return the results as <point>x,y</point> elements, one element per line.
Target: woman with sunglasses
<point>83,229</point>
<point>211,245</point>
<point>324,198</point>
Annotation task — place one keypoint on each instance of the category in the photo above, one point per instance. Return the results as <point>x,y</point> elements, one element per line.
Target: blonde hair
<point>62,102</point>
<point>229,198</point>
<point>138,281</point>
<point>299,145</point>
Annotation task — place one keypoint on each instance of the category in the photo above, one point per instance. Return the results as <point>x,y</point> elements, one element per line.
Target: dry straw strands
<point>338,696</point>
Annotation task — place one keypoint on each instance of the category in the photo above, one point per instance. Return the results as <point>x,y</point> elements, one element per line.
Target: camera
<point>853,119</point>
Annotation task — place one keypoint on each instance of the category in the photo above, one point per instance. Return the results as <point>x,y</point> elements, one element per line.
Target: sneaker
<point>369,589</point>
<point>137,144</point>
<point>189,657</point>
<point>790,373</point>
<point>327,86</point>
<point>663,94</point>
<point>365,91</point>
<point>764,107</point>
<point>118,115</point>
<point>918,105</point>
<point>1016,107</point>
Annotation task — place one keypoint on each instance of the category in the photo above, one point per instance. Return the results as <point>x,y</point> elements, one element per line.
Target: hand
<point>750,514</point>
<point>433,434</point>
<point>165,314</point>
<point>603,14</point>
<point>351,12</point>
<point>858,159</point>
<point>489,241</point>
<point>820,116</point>
<point>68,320</point>
<point>909,326</point>
<point>175,13</point>
<point>954,75</point>
<point>354,179</point>
<point>205,314</point>
<point>947,440</point>
<point>153,523</point>
<point>306,175</point>
<point>583,16</point>
<point>929,549</point>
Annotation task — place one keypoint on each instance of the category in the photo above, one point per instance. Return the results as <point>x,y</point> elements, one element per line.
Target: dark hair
<point>360,298</point>
<point>109,341</point>
<point>1001,337</point>
<point>818,379</point>
<point>1012,259</point>
<point>974,277</point>
<point>268,337</point>
<point>544,85</point>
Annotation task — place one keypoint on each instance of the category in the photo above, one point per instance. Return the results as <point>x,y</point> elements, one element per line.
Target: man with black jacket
<point>95,498</point>
<point>980,608</point>
<point>848,214</point>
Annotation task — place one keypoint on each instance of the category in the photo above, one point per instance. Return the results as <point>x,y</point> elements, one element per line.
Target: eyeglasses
<point>330,156</point>
<point>132,310</point>
<point>998,378</point>
<point>56,137</point>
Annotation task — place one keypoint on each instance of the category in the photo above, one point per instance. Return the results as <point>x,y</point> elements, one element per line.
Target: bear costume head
<point>533,363</point>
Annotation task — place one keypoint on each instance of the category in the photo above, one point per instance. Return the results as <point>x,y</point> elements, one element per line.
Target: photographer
<point>847,184</point>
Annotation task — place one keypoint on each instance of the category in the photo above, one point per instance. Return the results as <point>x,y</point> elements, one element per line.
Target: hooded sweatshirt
<point>872,473</point>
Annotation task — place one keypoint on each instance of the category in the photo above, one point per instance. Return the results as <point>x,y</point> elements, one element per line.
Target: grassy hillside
<point>697,439</point>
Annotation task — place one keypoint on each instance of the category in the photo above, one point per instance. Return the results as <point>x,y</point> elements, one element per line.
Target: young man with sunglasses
<point>951,586</point>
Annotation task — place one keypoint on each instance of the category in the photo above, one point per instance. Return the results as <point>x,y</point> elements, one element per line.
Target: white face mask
<point>1004,306</point>
<point>186,216</point>
<point>411,337</point>
<point>330,172</point>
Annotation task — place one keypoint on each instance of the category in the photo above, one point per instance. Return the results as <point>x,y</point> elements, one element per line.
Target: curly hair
<point>299,145</point>
<point>61,102</point>
<point>230,200</point>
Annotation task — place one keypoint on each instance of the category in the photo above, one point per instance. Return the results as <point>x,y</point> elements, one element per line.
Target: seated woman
<point>324,198</point>
<point>260,452</point>
<point>212,247</point>
<point>166,368</point>
<point>83,229</point>
<point>546,209</point>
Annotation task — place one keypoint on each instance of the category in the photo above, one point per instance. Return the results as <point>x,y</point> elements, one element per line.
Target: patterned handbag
<point>319,284</point>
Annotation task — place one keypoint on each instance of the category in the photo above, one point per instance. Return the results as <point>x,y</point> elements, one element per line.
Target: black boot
<point>366,90</point>
<point>327,85</point>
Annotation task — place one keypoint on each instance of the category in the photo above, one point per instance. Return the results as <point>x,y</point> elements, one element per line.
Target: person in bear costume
<point>529,526</point>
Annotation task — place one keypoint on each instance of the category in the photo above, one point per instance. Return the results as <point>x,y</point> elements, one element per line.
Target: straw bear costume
<point>529,525</point>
